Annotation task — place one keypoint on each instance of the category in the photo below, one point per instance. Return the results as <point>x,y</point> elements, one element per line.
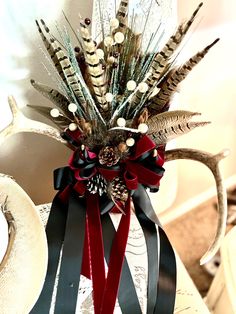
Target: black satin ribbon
<point>62,177</point>
<point>72,255</point>
<point>68,137</point>
<point>165,278</point>
<point>55,231</point>
<point>153,247</point>
<point>66,224</point>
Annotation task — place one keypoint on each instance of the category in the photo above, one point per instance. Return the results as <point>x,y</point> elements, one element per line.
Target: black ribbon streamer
<point>55,231</point>
<point>165,283</point>
<point>66,228</point>
<point>69,230</point>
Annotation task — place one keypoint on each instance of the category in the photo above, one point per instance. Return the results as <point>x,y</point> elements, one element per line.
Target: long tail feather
<point>161,59</point>
<point>51,50</point>
<point>176,76</point>
<point>95,69</point>
<point>55,96</point>
<point>69,72</point>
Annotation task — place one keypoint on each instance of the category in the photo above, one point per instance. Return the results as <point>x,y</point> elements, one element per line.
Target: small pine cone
<point>97,184</point>
<point>118,190</point>
<point>108,156</point>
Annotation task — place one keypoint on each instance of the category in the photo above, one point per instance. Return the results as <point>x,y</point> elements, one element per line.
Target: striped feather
<point>160,62</point>
<point>169,125</point>
<point>122,15</point>
<point>54,96</point>
<point>165,135</point>
<point>50,50</point>
<point>96,72</point>
<point>176,76</point>
<point>67,68</point>
<point>61,122</point>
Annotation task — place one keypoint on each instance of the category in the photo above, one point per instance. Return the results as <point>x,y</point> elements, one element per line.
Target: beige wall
<point>31,158</point>
<point>209,89</point>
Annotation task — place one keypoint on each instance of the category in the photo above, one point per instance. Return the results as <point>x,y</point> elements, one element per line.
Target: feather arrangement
<point>112,92</point>
<point>111,105</point>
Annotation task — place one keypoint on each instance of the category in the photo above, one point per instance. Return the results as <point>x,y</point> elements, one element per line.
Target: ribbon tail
<point>126,287</point>
<point>153,250</point>
<point>165,276</point>
<point>55,231</point>
<point>72,254</point>
<point>116,261</point>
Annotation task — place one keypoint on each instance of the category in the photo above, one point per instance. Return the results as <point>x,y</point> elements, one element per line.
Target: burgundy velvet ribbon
<point>139,168</point>
<point>116,262</point>
<point>104,289</point>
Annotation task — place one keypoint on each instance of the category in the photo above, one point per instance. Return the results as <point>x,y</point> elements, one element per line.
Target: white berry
<point>121,122</point>
<point>108,41</point>
<point>73,127</point>
<point>114,23</point>
<point>131,85</point>
<point>119,37</point>
<point>130,142</point>
<point>72,107</point>
<point>155,91</point>
<point>109,97</point>
<point>100,53</point>
<point>54,113</point>
<point>143,128</point>
<point>143,87</point>
<point>111,60</point>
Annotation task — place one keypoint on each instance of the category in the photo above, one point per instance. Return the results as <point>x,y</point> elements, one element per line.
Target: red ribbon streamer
<point>105,290</point>
<point>116,262</point>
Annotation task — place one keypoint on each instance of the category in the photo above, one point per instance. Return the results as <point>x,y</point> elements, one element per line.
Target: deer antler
<point>212,162</point>
<point>20,123</point>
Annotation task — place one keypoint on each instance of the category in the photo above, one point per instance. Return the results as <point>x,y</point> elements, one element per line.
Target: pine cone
<point>97,184</point>
<point>109,156</point>
<point>118,190</point>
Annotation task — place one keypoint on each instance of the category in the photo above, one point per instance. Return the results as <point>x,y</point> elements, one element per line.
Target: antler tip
<point>205,259</point>
<point>225,152</point>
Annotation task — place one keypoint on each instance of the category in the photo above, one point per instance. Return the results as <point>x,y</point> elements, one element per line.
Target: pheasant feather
<point>97,74</point>
<point>165,135</point>
<point>169,86</point>
<point>54,96</point>
<point>67,68</point>
<point>122,15</point>
<point>118,79</point>
<point>168,125</point>
<point>50,50</point>
<point>161,59</point>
